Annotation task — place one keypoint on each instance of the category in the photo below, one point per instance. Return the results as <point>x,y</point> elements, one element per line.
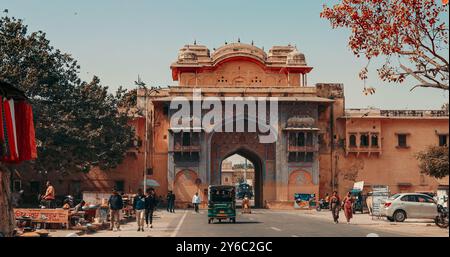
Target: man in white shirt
<point>196,201</point>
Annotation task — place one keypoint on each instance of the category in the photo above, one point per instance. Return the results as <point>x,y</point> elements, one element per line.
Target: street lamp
<point>142,85</point>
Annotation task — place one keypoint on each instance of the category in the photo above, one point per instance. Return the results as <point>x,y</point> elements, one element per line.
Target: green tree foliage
<point>78,124</point>
<point>434,161</point>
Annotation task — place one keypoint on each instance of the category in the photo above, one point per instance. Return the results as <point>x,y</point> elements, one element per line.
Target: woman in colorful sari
<point>335,206</point>
<point>348,207</point>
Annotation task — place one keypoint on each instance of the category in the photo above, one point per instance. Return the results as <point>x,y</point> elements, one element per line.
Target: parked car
<point>399,207</point>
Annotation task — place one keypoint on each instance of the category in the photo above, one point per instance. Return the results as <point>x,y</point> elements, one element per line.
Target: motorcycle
<point>323,205</point>
<point>69,200</point>
<point>442,219</point>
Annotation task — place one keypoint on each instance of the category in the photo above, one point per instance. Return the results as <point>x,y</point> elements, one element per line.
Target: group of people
<point>144,205</point>
<point>336,204</point>
<point>170,202</point>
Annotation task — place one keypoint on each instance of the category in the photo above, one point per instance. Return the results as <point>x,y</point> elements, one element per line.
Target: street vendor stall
<point>97,203</point>
<point>17,144</point>
<point>42,216</point>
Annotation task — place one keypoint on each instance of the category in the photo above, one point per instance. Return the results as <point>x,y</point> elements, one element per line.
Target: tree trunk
<point>7,220</point>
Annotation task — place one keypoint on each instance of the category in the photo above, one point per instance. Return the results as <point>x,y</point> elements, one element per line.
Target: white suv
<point>399,207</point>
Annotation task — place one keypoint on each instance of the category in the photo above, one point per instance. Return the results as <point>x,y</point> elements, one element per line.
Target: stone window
<point>222,80</point>
<point>443,140</point>
<point>187,157</point>
<point>292,139</point>
<point>309,157</point>
<point>352,140</point>
<point>256,80</point>
<point>374,140</point>
<point>402,140</point>
<point>364,140</point>
<point>301,157</point>
<point>186,137</point>
<point>301,139</point>
<point>309,139</point>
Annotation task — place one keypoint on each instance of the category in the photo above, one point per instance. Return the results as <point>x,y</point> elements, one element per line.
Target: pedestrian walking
<point>348,207</point>
<point>115,203</point>
<point>335,206</point>
<point>150,205</point>
<point>327,201</point>
<point>196,201</point>
<point>171,202</point>
<point>139,208</point>
<point>246,205</point>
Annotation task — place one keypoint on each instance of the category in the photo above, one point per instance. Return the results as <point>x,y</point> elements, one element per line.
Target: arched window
<point>352,140</point>
<point>374,140</point>
<point>364,140</point>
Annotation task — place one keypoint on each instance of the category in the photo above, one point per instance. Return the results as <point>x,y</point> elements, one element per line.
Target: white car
<point>399,207</point>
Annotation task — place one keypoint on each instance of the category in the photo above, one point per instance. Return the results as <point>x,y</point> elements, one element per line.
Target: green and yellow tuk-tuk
<point>358,204</point>
<point>221,203</point>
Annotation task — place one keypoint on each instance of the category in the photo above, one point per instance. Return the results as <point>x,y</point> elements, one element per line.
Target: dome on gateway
<point>239,49</point>
<point>187,56</point>
<point>296,58</point>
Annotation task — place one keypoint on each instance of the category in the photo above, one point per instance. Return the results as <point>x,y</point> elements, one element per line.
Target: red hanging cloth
<point>3,151</point>
<point>10,137</point>
<point>26,140</point>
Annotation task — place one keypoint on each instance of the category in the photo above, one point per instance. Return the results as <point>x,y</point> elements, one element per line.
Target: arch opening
<point>246,168</point>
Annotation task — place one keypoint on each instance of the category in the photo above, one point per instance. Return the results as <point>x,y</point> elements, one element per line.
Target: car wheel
<point>400,216</point>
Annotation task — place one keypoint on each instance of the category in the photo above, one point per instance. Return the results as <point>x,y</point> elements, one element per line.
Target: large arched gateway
<point>224,145</point>
<point>278,132</point>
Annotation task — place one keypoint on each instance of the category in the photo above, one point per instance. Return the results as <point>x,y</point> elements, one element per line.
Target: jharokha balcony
<point>363,150</point>
<point>190,148</point>
<point>299,149</point>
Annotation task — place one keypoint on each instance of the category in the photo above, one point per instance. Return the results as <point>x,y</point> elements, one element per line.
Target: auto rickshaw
<point>358,204</point>
<point>221,203</point>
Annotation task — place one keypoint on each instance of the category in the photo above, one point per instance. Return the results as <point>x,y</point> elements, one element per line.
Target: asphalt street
<point>263,223</point>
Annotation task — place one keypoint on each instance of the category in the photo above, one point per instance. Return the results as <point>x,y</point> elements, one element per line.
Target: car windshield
<point>394,197</point>
<point>221,195</point>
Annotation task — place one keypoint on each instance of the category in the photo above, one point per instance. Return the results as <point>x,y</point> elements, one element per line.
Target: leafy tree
<point>403,31</point>
<point>78,124</point>
<point>434,161</point>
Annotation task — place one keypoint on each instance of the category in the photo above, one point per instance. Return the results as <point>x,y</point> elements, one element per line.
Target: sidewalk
<point>164,224</point>
<point>411,227</point>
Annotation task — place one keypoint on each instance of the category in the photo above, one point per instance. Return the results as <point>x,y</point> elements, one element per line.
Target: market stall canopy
<point>151,183</point>
<point>9,91</point>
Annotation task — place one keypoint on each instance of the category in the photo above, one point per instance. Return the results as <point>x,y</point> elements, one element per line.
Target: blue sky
<point>117,40</point>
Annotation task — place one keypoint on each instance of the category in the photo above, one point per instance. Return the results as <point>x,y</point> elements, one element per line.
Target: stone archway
<point>185,185</point>
<point>301,181</point>
<point>247,145</point>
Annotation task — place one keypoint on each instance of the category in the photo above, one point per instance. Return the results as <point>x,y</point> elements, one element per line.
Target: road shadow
<point>237,222</point>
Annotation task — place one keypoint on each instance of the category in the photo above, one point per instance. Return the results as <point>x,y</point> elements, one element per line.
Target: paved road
<point>263,223</point>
